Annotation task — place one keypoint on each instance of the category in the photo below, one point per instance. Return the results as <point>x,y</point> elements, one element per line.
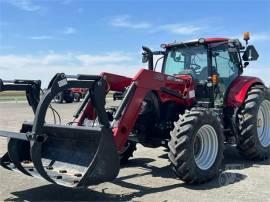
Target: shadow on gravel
<point>57,193</point>
<point>232,163</point>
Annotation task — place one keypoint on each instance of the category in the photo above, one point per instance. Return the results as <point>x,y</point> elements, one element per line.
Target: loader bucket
<point>73,156</point>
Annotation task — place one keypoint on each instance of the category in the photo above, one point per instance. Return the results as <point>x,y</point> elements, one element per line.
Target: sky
<point>39,38</point>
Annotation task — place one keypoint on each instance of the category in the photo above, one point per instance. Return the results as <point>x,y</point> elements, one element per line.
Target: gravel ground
<point>147,177</point>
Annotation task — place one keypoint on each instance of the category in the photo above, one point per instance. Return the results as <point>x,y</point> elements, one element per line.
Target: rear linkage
<point>73,156</point>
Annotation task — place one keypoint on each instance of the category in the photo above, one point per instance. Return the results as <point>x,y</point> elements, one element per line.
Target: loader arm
<point>30,87</point>
<point>80,155</point>
<point>168,88</point>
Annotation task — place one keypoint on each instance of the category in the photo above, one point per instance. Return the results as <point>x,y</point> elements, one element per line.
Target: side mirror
<point>250,54</point>
<point>246,64</point>
<point>144,58</point>
<point>147,56</point>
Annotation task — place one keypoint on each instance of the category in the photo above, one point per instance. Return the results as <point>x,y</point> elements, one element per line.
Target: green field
<point>12,96</point>
<point>20,96</point>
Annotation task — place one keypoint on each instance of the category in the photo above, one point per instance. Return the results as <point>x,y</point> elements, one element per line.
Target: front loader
<point>196,104</point>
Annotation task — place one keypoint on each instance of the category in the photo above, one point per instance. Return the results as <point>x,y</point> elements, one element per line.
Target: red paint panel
<point>79,90</point>
<point>116,82</point>
<point>238,90</point>
<point>147,81</point>
<point>215,40</point>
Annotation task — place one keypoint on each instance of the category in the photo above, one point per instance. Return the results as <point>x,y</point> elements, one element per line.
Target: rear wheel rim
<point>205,147</point>
<point>263,123</point>
<point>57,97</point>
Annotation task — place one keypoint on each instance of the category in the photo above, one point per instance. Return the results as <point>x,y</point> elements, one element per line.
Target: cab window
<point>226,67</point>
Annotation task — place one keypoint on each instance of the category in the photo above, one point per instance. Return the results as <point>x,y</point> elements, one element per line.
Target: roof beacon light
<point>246,36</point>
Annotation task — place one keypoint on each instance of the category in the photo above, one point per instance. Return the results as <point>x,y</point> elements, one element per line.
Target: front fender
<point>238,90</point>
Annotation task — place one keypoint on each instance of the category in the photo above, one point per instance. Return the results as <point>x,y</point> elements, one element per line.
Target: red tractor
<point>79,93</point>
<point>71,95</point>
<point>196,104</point>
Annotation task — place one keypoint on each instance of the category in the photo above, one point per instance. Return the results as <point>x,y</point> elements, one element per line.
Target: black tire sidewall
<point>77,97</point>
<point>253,132</point>
<point>181,145</point>
<point>59,98</point>
<point>212,121</point>
<point>69,97</point>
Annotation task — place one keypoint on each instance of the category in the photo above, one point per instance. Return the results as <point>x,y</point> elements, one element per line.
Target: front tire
<point>77,97</point>
<point>254,124</point>
<point>59,98</point>
<point>196,146</point>
<point>69,97</point>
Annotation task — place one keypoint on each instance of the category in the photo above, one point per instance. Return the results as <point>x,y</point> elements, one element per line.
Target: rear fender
<point>238,90</point>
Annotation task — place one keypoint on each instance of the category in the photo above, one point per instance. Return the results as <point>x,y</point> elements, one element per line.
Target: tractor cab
<point>213,63</point>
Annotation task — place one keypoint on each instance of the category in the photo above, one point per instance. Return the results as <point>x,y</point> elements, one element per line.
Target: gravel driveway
<point>147,177</point>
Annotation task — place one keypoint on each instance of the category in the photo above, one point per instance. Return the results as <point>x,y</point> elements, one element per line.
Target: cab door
<point>226,64</point>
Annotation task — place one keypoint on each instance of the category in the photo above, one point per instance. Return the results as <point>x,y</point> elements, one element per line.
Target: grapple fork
<point>74,156</point>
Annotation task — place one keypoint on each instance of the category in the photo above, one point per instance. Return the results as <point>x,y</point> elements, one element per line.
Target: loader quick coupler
<point>69,155</point>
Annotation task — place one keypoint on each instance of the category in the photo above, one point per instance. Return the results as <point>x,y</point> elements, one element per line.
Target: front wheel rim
<point>263,123</point>
<point>57,98</point>
<point>205,147</point>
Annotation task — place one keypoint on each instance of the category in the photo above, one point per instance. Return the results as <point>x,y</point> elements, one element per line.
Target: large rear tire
<point>196,146</point>
<point>254,124</point>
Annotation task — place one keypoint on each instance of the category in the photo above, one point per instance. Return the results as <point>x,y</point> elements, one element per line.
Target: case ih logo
<point>159,77</point>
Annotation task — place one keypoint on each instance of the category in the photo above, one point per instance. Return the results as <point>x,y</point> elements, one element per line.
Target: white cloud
<point>179,29</point>
<point>26,5</point>
<point>260,37</point>
<point>41,37</point>
<point>261,72</point>
<point>125,22</point>
<point>69,30</point>
<point>45,66</point>
<point>255,37</point>
<point>101,59</point>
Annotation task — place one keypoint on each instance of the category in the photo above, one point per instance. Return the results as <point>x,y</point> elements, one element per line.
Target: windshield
<point>187,60</point>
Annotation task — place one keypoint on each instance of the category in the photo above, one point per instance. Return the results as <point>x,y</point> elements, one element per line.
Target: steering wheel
<point>196,68</point>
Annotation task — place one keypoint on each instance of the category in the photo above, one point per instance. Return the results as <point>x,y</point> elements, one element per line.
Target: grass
<point>12,93</point>
<point>12,96</point>
<point>20,96</point>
